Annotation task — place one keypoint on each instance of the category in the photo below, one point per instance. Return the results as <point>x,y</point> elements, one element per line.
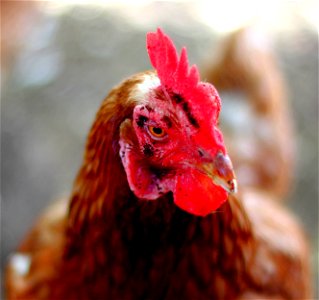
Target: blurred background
<point>59,59</point>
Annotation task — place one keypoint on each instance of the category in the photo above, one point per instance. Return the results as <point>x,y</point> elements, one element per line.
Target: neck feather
<point>101,179</point>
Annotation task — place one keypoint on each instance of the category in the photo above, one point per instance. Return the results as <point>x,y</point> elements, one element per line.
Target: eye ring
<point>156,132</point>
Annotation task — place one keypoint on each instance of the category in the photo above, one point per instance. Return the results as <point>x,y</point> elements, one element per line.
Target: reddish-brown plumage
<point>110,244</point>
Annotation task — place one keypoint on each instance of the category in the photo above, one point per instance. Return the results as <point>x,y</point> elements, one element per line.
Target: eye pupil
<point>157,130</point>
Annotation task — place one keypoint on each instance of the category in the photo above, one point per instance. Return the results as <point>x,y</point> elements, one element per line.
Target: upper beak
<point>220,170</point>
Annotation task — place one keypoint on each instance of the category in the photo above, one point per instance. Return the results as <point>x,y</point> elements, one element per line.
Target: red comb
<point>176,75</point>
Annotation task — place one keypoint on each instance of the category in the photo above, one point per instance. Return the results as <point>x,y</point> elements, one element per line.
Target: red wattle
<point>196,193</point>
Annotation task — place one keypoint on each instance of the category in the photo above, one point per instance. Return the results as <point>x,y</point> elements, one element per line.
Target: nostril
<point>200,152</point>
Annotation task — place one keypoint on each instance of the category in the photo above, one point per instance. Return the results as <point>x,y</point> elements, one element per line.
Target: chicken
<point>154,212</point>
<point>260,137</point>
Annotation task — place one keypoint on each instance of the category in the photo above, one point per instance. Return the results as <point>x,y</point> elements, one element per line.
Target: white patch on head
<point>20,263</point>
<point>150,82</point>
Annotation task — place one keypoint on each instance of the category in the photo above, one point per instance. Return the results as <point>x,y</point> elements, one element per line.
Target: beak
<point>220,170</point>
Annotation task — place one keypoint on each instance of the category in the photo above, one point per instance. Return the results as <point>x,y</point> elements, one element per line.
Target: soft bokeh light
<point>222,16</point>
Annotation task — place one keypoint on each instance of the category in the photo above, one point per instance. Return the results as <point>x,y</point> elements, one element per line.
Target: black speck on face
<point>149,108</point>
<point>180,100</point>
<point>168,121</point>
<point>177,98</point>
<point>160,172</point>
<point>148,150</point>
<point>192,120</point>
<point>189,115</point>
<point>185,107</point>
<point>141,121</point>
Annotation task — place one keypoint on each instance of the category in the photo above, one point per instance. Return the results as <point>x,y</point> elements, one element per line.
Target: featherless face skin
<point>172,142</point>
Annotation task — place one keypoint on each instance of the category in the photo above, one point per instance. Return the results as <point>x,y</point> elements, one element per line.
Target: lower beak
<point>221,171</point>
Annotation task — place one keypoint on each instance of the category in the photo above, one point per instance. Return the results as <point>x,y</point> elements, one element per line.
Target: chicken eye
<point>156,132</point>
